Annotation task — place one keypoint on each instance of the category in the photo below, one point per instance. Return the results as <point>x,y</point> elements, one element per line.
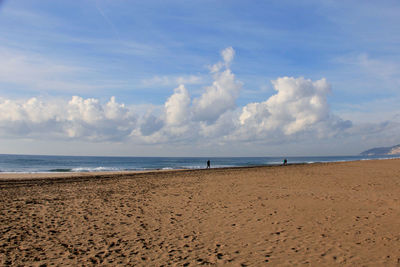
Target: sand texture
<point>319,215</point>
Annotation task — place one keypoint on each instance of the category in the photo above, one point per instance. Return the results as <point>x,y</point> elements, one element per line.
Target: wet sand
<point>319,215</point>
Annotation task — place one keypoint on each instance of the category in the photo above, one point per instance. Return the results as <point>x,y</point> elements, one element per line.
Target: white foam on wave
<point>95,169</point>
<point>195,167</point>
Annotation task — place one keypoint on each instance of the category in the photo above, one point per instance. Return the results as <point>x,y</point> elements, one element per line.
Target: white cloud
<point>298,111</point>
<point>185,120</point>
<point>86,110</point>
<point>85,119</point>
<point>218,98</point>
<point>298,105</point>
<point>221,95</point>
<point>177,107</point>
<point>89,119</point>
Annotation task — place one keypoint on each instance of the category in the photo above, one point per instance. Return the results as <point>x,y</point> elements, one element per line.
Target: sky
<point>199,78</point>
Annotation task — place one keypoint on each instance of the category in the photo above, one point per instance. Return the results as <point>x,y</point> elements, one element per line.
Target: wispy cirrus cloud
<point>376,67</point>
<point>35,73</point>
<point>172,80</point>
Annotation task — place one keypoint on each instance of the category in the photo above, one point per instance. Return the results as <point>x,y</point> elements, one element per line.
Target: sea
<point>49,164</point>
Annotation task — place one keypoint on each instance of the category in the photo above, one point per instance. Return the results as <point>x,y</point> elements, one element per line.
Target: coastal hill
<point>393,150</point>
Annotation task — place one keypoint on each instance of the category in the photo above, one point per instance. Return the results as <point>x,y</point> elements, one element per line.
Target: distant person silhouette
<point>284,162</point>
<point>208,164</point>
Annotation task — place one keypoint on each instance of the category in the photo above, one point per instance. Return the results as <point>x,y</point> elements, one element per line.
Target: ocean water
<point>43,164</point>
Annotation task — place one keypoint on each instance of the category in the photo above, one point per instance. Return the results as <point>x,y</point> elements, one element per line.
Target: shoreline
<point>22,176</point>
<point>18,165</point>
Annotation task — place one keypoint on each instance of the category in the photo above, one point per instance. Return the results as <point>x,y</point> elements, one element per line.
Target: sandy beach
<point>317,214</point>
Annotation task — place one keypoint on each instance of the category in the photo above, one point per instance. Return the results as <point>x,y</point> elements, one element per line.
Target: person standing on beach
<point>208,164</point>
<point>284,162</point>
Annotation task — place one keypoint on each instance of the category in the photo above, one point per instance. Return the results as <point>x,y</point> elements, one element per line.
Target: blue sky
<point>141,52</point>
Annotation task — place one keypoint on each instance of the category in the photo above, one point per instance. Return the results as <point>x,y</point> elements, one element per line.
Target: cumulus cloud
<point>218,98</point>
<point>298,109</point>
<point>221,95</point>
<point>22,118</point>
<point>90,119</point>
<point>177,107</point>
<point>297,105</point>
<point>78,118</point>
<point>189,120</point>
